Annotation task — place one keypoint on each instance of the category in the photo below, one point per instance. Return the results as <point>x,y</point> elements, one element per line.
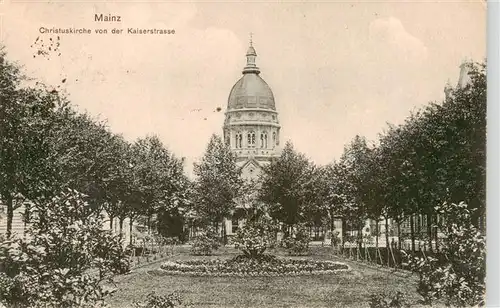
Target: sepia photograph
<point>243,154</point>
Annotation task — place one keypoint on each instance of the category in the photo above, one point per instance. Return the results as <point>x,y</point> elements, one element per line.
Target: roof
<point>251,91</point>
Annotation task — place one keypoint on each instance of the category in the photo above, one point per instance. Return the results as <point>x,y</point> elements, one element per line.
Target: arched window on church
<point>263,140</point>
<point>251,139</point>
<point>274,139</point>
<point>238,139</point>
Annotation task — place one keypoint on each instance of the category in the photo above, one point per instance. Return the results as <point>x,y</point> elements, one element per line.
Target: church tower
<point>251,126</point>
<point>463,79</point>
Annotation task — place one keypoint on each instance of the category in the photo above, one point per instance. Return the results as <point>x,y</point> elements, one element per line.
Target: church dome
<point>251,91</point>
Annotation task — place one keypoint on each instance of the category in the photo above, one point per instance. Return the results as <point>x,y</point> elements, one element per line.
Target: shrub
<point>63,259</point>
<point>459,278</point>
<point>171,300</point>
<point>350,238</point>
<point>205,243</point>
<point>335,238</point>
<point>383,300</point>
<point>256,236</point>
<point>172,241</point>
<point>299,243</point>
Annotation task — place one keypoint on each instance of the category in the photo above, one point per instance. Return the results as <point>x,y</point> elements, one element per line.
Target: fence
<point>390,256</point>
<point>152,250</point>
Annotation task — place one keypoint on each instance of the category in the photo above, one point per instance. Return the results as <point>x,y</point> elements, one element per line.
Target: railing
<point>387,256</point>
<point>150,251</point>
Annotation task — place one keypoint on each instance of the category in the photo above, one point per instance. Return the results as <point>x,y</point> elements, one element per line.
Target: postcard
<point>242,154</point>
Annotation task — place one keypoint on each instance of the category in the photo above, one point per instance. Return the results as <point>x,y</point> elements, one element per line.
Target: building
<point>251,127</point>
<point>19,226</point>
<point>463,79</point>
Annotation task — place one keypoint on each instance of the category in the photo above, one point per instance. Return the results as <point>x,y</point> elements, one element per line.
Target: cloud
<point>391,33</point>
<point>335,72</point>
<point>142,84</point>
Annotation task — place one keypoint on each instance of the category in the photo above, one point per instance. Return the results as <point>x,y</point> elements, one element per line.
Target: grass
<point>343,289</point>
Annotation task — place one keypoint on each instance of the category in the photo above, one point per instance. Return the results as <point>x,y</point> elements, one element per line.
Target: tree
<point>155,168</point>
<point>218,183</point>
<point>464,129</point>
<point>63,260</point>
<point>438,155</point>
<point>337,198</point>
<point>26,115</point>
<point>285,184</point>
<point>375,189</point>
<point>117,184</point>
<point>174,208</point>
<point>258,234</point>
<point>318,209</point>
<point>458,279</point>
<point>356,161</point>
<point>87,155</point>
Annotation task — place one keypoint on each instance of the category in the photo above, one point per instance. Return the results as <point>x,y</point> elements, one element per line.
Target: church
<point>251,126</point>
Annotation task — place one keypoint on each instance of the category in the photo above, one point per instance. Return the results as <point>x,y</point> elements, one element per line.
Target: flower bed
<point>241,266</point>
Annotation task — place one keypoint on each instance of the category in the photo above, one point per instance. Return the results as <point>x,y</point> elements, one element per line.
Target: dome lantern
<point>251,91</point>
<point>251,67</point>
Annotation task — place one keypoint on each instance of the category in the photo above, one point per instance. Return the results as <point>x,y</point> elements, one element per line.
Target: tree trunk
<point>10,214</point>
<point>26,219</point>
<point>387,233</point>
<point>149,224</point>
<point>130,230</point>
<point>399,234</point>
<point>412,231</point>
<point>332,228</point>
<point>120,223</point>
<point>224,233</point>
<point>344,230</point>
<point>42,216</point>
<point>436,233</point>
<point>429,230</point>
<point>376,233</point>
<point>418,225</point>
<point>360,236</point>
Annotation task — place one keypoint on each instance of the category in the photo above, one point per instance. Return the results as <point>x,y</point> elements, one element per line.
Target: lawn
<point>343,289</point>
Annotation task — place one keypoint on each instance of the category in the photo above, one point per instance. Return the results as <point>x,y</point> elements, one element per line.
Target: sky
<point>336,69</point>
